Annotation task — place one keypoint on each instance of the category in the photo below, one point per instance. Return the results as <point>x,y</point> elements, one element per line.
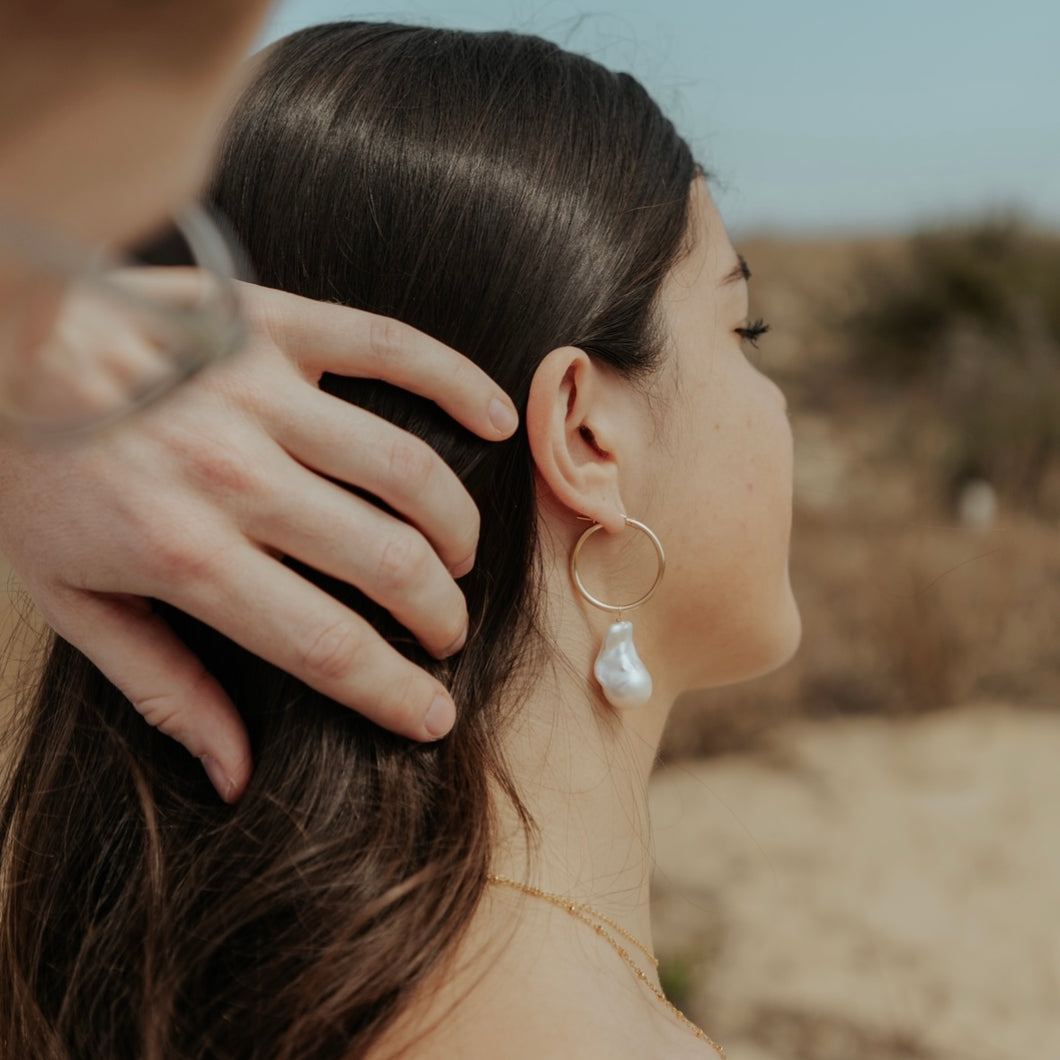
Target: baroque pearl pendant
<point>623,677</point>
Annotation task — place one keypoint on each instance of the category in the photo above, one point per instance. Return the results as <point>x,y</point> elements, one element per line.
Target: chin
<point>753,652</point>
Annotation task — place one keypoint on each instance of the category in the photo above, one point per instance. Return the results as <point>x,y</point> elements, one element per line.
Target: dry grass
<point>904,609</point>
<point>864,887</point>
<point>899,619</point>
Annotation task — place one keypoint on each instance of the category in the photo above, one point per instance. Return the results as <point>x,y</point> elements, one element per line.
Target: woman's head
<point>538,213</point>
<point>506,197</point>
<point>523,204</point>
<point>720,496</point>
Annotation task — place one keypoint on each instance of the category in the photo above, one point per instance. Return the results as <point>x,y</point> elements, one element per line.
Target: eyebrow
<point>740,271</point>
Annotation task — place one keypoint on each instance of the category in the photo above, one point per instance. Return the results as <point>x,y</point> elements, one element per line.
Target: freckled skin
<point>722,505</point>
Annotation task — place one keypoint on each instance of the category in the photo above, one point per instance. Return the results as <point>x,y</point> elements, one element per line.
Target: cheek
<point>730,614</point>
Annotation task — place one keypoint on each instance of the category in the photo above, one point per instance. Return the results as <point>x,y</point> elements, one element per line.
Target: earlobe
<point>567,415</point>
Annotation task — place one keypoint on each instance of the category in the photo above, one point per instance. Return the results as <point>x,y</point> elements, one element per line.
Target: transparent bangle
<point>86,337</point>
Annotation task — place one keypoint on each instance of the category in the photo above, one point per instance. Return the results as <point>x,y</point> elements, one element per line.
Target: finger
<point>337,533</point>
<point>141,656</point>
<point>323,337</point>
<point>276,614</point>
<point>350,445</point>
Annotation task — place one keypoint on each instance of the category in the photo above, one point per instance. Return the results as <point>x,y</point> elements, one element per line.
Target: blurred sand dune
<point>871,887</point>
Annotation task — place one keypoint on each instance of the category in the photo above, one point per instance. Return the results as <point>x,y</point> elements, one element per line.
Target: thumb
<point>141,656</point>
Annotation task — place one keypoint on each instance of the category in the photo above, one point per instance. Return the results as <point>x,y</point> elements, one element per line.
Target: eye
<point>753,332</point>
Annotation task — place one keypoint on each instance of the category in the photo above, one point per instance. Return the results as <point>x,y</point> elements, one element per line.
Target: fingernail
<point>441,717</point>
<point>218,778</point>
<point>503,416</point>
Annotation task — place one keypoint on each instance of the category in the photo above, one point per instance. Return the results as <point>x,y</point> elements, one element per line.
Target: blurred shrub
<point>899,617</point>
<point>970,323</point>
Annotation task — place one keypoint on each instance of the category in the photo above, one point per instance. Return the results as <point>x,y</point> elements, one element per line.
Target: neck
<point>581,766</point>
<point>582,771</point>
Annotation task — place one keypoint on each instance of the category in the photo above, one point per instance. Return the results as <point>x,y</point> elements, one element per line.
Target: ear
<point>573,419</point>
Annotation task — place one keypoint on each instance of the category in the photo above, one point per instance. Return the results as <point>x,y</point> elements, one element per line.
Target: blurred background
<point>859,855</point>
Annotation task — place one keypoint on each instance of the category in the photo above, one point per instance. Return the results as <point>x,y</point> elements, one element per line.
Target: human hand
<point>196,500</point>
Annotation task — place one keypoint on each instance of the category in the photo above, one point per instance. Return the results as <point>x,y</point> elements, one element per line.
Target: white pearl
<point>623,677</point>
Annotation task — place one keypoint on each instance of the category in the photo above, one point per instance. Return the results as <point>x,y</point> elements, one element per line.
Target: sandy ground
<point>865,888</point>
<point>870,888</point>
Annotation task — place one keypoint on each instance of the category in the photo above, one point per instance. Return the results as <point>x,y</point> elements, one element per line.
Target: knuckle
<point>332,653</point>
<point>174,557</point>
<point>162,711</point>
<point>386,338</point>
<point>411,464</point>
<point>402,562</point>
<point>220,470</point>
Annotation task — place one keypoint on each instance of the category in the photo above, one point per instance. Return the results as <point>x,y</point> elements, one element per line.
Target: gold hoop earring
<point>624,679</point>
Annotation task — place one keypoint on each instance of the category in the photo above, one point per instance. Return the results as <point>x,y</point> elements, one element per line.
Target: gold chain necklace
<point>589,916</point>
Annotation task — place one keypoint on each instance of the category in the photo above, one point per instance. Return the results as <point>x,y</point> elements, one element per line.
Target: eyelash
<point>753,331</point>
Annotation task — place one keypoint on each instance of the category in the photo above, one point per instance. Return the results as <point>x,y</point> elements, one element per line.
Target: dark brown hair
<point>508,198</point>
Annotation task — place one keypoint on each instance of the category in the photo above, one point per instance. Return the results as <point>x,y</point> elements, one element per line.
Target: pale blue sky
<point>817,115</point>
